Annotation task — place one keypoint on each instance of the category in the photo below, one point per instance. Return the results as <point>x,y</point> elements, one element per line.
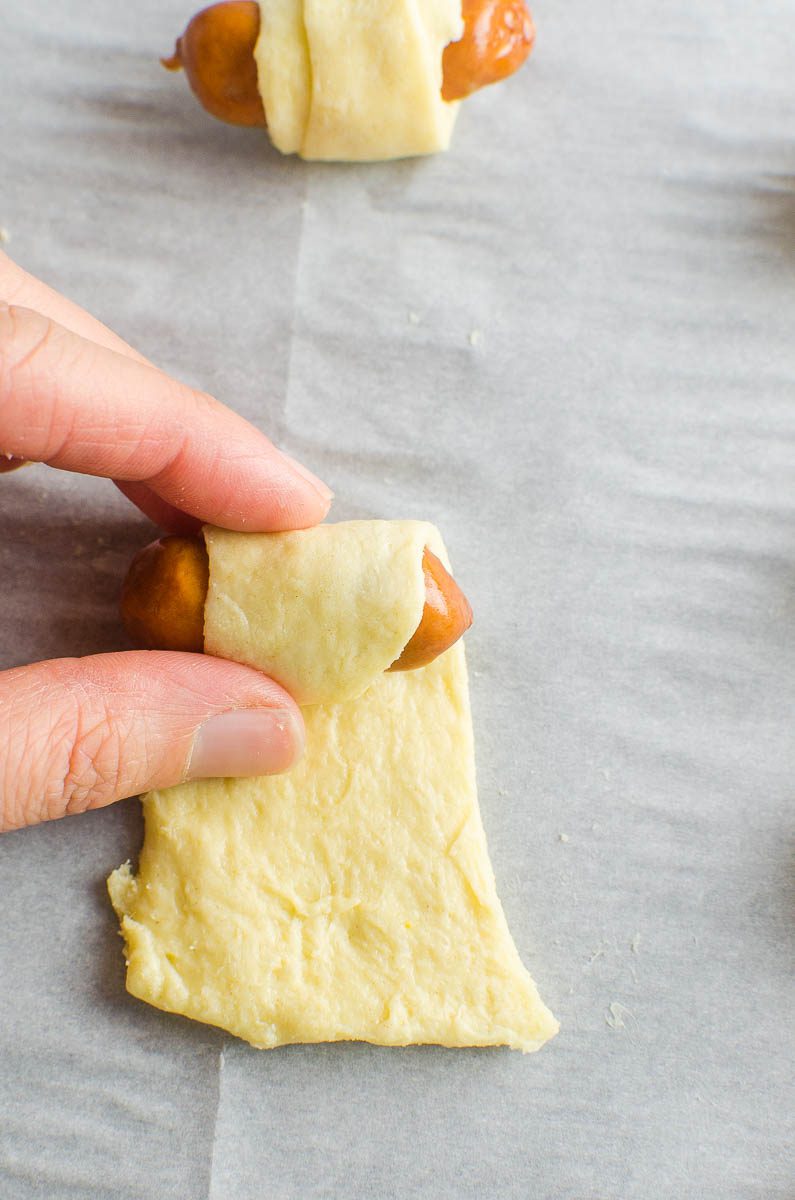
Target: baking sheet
<point>569,343</point>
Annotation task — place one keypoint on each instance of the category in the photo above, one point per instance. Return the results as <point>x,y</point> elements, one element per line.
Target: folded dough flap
<point>356,80</point>
<point>323,611</point>
<point>353,897</point>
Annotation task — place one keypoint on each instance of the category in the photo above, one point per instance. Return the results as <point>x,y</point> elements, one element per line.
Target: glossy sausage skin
<point>446,615</point>
<point>163,597</point>
<point>217,53</point>
<point>498,36</point>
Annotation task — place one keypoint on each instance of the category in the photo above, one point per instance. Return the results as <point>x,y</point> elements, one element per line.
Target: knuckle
<point>93,766</point>
<point>16,807</point>
<point>38,736</point>
<point>24,336</point>
<point>62,748</point>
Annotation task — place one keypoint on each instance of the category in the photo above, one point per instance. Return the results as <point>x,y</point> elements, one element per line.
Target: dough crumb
<point>5,236</point>
<point>599,952</point>
<point>563,837</point>
<point>476,337</point>
<point>615,1015</point>
<point>414,318</point>
<point>633,945</point>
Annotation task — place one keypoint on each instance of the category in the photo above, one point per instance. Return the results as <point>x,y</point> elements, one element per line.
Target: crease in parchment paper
<point>279,433</point>
<point>216,1122</point>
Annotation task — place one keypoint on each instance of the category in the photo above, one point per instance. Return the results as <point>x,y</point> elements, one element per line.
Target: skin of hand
<point>80,733</point>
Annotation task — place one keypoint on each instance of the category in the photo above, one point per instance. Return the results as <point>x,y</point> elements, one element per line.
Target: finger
<point>18,287</point>
<point>80,733</point>
<point>8,463</point>
<point>157,510</point>
<point>73,404</point>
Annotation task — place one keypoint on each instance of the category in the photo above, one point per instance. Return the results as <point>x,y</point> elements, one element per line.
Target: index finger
<point>74,404</point>
<point>18,287</point>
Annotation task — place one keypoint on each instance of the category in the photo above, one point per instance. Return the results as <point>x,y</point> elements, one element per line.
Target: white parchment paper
<point>568,343</point>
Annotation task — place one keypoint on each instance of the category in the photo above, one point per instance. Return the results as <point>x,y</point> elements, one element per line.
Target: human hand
<point>80,733</point>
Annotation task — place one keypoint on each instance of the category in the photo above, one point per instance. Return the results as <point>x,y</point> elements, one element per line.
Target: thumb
<point>79,733</point>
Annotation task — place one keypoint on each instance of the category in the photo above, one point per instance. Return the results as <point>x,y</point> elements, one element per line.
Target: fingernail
<point>318,484</point>
<point>251,741</point>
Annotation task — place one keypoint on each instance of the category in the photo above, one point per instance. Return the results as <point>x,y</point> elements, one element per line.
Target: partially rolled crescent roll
<point>324,611</point>
<point>356,82</point>
<point>352,898</point>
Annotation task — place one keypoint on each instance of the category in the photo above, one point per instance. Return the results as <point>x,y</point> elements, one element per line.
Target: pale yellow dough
<point>356,80</point>
<point>350,899</point>
<point>323,611</point>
